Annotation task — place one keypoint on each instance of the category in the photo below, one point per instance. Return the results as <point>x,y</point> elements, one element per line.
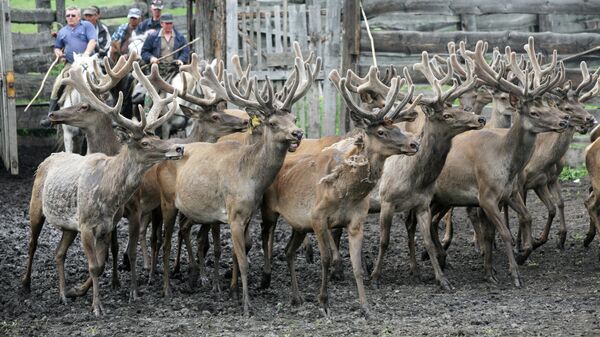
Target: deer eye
<point>380,132</point>
<point>447,116</point>
<point>145,144</point>
<point>534,114</point>
<point>215,117</point>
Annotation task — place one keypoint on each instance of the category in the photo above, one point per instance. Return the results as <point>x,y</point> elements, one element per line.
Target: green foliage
<point>57,69</point>
<point>37,132</point>
<point>572,173</point>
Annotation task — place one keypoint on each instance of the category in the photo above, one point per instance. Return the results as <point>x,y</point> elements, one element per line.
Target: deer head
<point>217,122</point>
<point>137,136</point>
<point>438,108</point>
<point>378,124</point>
<point>273,111</point>
<point>526,86</point>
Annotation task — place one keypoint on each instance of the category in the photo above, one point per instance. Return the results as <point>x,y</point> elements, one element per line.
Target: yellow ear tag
<point>254,122</point>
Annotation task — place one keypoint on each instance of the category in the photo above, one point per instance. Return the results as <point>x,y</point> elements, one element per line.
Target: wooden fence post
<point>331,61</point>
<point>60,12</point>
<point>350,50</point>
<point>231,33</point>
<point>8,113</point>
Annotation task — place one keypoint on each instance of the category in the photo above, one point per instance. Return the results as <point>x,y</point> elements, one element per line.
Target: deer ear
<point>429,111</point>
<point>188,112</point>
<point>514,100</point>
<point>123,136</point>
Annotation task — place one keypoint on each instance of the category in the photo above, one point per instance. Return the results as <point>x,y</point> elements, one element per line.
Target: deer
<point>482,166</point>
<point>406,183</point>
<point>99,185</point>
<point>330,188</point>
<point>229,189</point>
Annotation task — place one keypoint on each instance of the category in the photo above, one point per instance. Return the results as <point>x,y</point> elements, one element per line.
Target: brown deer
<point>482,166</point>
<point>98,185</point>
<point>329,189</point>
<point>229,188</point>
<point>407,182</point>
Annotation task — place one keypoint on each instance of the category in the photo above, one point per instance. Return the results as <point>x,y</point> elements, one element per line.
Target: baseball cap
<point>89,11</point>
<point>134,13</point>
<point>157,4</point>
<point>166,18</point>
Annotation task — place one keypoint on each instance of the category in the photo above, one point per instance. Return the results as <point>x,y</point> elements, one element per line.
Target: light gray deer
<point>87,194</point>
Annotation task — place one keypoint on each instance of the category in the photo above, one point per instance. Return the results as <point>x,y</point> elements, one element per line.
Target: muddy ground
<point>560,297</point>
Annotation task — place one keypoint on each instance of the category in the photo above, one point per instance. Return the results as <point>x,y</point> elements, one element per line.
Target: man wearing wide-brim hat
<point>153,22</point>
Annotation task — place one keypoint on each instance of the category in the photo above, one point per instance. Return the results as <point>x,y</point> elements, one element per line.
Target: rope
<point>43,81</point>
<point>362,10</point>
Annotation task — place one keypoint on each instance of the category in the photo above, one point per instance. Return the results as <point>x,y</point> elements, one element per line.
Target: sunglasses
<point>71,15</point>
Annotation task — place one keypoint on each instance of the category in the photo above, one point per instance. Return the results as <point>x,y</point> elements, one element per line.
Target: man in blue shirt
<point>76,37</point>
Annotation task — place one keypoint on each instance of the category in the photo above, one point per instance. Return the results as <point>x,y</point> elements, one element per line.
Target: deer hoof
<point>588,239</point>
<point>98,309</point>
<point>265,281</point>
<point>562,237</point>
<point>446,285</point>
<point>424,256</point>
<point>115,284</point>
<point>365,312</point>
<point>491,279</point>
<point>518,282</point>
<point>297,300</point>
<point>521,258</point>
<point>133,295</point>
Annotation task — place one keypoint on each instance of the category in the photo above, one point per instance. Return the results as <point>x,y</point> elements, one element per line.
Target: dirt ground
<point>560,295</point>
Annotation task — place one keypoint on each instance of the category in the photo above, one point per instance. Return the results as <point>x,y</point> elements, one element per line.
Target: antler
<point>158,104</point>
<point>76,80</point>
<point>388,112</point>
<point>113,75</point>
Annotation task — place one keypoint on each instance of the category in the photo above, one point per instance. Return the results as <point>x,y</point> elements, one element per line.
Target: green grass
<point>573,173</point>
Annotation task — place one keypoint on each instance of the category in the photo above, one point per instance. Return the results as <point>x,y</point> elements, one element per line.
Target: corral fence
<point>335,30</point>
<point>8,118</point>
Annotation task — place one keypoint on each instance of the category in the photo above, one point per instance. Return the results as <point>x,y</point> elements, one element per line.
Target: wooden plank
<point>418,22</point>
<point>468,22</point>
<point>60,12</point>
<point>411,42</point>
<point>350,49</point>
<point>31,63</point>
<point>38,15</point>
<point>517,22</point>
<point>258,39</point>
<point>331,61</point>
<point>41,4</point>
<point>479,7</point>
<point>278,30</point>
<point>27,84</point>
<point>313,127</point>
<point>285,25</point>
<point>298,31</point>
<point>232,33</point>
<point>9,116</point>
<point>280,59</point>
<point>32,41</point>
<point>245,34</point>
<point>269,34</point>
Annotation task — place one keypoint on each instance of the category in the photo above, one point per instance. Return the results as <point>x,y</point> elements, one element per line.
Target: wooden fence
<point>402,29</point>
<point>263,35</point>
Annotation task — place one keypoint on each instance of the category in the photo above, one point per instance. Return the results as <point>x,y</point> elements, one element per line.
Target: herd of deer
<point>415,154</point>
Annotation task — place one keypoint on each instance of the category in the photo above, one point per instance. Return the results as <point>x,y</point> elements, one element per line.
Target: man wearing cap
<point>76,37</point>
<point>163,43</point>
<point>153,22</point>
<point>126,31</point>
<point>91,15</point>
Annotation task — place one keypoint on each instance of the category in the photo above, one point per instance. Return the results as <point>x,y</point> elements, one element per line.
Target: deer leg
<point>36,220</point>
<point>216,235</point>
<point>290,252</point>
<point>269,222</point>
<point>65,242</point>
<point>448,230</point>
<point>517,204</point>
<point>355,240</point>
<point>89,247</point>
<point>411,228</point>
<point>322,234</point>
<point>590,204</point>
<point>143,243</point>
<point>169,213</point>
<point>134,232</point>
<point>114,249</point>
<point>181,236</point>
<point>202,241</point>
<point>477,234</point>
<point>308,250</point>
<point>199,267</point>
<point>238,236</point>
<point>492,212</point>
<point>545,196</point>
<point>486,242</point>
<point>423,217</point>
<point>155,244</point>
<point>560,203</point>
<point>336,261</point>
<point>386,216</point>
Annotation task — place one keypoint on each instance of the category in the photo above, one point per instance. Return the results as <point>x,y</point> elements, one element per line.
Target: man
<point>92,15</point>
<point>153,22</point>
<point>126,31</point>
<point>162,44</point>
<point>76,37</point>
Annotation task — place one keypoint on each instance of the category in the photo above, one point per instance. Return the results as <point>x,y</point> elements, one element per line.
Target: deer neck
<point>200,133</point>
<point>101,138</point>
<point>262,160</point>
<point>518,146</point>
<point>558,143</point>
<point>499,120</point>
<point>436,141</point>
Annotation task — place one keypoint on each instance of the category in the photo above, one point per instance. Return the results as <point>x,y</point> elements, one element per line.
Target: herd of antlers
<point>411,153</point>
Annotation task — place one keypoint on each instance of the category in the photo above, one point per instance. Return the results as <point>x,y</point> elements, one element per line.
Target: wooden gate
<point>8,115</point>
<point>263,35</point>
